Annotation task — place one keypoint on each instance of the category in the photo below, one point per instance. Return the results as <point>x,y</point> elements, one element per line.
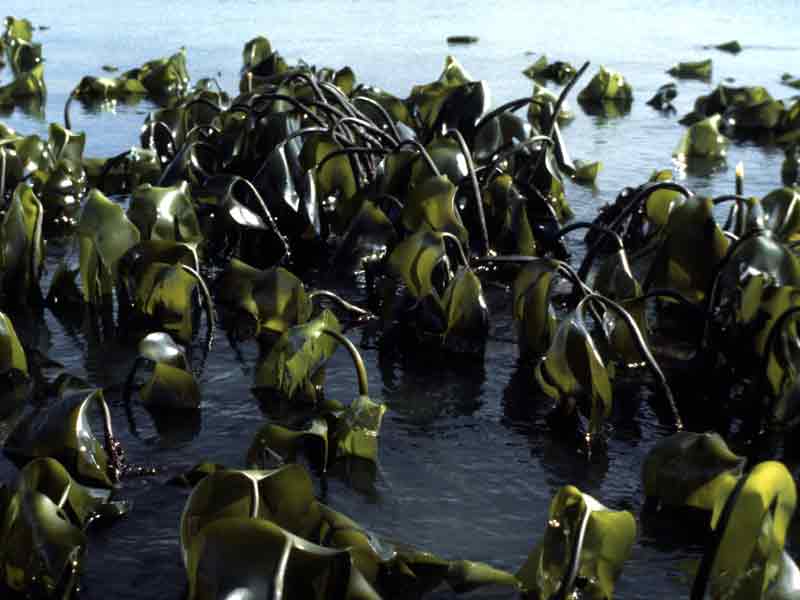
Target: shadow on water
<point>32,108</point>
<point>555,440</point>
<point>426,385</point>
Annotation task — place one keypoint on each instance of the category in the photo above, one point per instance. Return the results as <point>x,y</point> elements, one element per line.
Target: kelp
<point>790,80</point>
<point>265,302</point>
<point>165,213</point>
<point>756,263</point>
<point>193,163</point>
<point>539,179</point>
<point>308,169</point>
<point>790,168</point>
<point>574,373</point>
<point>293,369</point>
<point>63,431</point>
<point>782,212</point>
<point>778,377</point>
<point>615,280</point>
<point>573,370</point>
<point>18,29</point>
<point>607,84</point>
<point>260,75</point>
<point>431,206</point>
<point>255,50</point>
<point>43,529</point>
<point>414,260</point>
<point>449,159</point>
<point>586,172</point>
<point>123,172</point>
<point>764,116</point>
<point>454,101</point>
<point>691,244</point>
<point>788,128</point>
<point>745,111</point>
<point>754,285</point>
<point>172,384</point>
<point>746,558</point>
<point>559,71</point>
<point>274,512</point>
<point>23,56</point>
<point>163,132</point>
<point>14,373</point>
<point>163,293</point>
<point>162,78</point>
<point>542,96</point>
<point>662,99</point>
<point>733,46</point>
<point>296,566</point>
<point>509,228</point>
<point>21,244</point>
<point>690,469</point>
<point>105,235</point>
<point>333,177</point>
<point>533,309</point>
<point>59,179</point>
<point>703,140</point>
<point>725,97</point>
<point>583,549</point>
<point>369,238</point>
<point>332,434</point>
<point>294,195</point>
<point>700,69</point>
<point>28,85</point>
<point>356,430</point>
<point>232,212</point>
<point>447,306</point>
<point>745,216</point>
<point>462,39</point>
<point>500,133</point>
<point>393,106</point>
<point>97,89</point>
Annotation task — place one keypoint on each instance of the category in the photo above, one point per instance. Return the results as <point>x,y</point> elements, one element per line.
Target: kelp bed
<point>226,225</point>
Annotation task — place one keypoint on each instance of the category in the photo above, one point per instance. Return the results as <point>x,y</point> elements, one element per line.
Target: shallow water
<point>468,465</point>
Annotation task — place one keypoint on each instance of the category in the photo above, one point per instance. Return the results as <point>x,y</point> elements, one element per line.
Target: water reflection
<point>32,108</point>
<point>426,385</point>
<point>557,441</point>
<point>30,325</point>
<point>607,109</point>
<point>172,428</point>
<point>94,107</point>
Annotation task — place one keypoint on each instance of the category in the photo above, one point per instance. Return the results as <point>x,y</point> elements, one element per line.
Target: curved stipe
<point>638,196</point>
<point>358,362</point>
<point>423,152</point>
<point>383,112</point>
<point>67,121</point>
<point>476,189</point>
<point>287,252</point>
<point>446,235</point>
<point>511,106</point>
<point>208,301</point>
<point>641,345</point>
<point>341,302</point>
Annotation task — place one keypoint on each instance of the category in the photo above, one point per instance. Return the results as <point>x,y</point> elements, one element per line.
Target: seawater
<point>468,465</point>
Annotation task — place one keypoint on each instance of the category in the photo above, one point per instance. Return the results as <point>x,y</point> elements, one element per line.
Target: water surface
<point>468,465</point>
